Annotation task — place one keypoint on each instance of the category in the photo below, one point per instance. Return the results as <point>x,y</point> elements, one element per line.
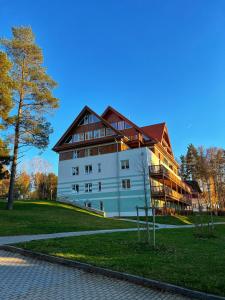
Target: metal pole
<point>118,179</point>
<point>138,225</point>
<point>153,210</point>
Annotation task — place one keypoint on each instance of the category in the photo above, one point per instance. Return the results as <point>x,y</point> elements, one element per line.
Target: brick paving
<point>23,278</point>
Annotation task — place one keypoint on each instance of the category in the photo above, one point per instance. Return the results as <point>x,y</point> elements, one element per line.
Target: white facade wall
<point>113,198</point>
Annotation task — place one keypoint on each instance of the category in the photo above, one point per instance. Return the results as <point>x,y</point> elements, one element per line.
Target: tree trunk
<point>13,169</point>
<point>15,156</point>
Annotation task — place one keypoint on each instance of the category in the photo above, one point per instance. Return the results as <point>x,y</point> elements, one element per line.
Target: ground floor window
<point>88,187</point>
<point>126,183</point>
<point>76,188</point>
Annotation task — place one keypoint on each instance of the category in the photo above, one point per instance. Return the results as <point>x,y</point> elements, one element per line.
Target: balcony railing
<point>165,191</point>
<point>158,170</point>
<point>161,171</point>
<point>136,137</point>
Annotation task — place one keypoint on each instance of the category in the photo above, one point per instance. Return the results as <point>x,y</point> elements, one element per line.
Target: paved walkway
<point>26,238</point>
<point>23,278</point>
<point>4,240</point>
<point>163,226</point>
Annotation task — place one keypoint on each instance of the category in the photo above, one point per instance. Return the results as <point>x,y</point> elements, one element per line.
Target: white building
<point>110,164</point>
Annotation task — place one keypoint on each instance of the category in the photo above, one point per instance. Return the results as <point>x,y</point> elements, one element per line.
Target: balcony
<point>165,192</point>
<point>160,172</point>
<point>135,139</point>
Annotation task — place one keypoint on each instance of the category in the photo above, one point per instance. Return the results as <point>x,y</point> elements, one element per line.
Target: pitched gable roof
<point>76,121</point>
<point>109,108</point>
<point>155,131</point>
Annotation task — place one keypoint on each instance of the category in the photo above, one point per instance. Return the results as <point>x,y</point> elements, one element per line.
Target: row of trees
<point>35,186</point>
<point>25,101</point>
<point>207,167</point>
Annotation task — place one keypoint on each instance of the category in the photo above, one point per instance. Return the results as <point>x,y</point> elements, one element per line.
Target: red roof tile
<point>154,131</point>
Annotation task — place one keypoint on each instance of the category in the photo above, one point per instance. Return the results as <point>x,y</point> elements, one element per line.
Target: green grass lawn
<point>183,220</point>
<point>33,217</point>
<point>180,258</point>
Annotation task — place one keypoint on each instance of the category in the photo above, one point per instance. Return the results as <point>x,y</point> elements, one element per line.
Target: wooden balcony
<point>160,172</point>
<point>166,193</point>
<point>134,139</point>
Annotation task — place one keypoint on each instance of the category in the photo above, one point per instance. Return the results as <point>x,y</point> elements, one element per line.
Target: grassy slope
<point>180,259</point>
<point>182,220</point>
<point>32,217</point>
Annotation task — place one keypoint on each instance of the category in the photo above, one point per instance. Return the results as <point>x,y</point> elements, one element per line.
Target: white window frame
<point>81,136</point>
<point>76,188</point>
<point>108,131</point>
<point>88,169</point>
<point>126,184</point>
<point>102,132</point>
<point>75,171</point>
<point>96,134</point>
<point>88,187</point>
<point>87,152</point>
<point>120,125</point>
<point>114,125</point>
<point>76,154</point>
<point>125,164</point>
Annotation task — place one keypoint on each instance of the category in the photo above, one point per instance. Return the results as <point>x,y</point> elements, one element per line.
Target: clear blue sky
<point>153,61</point>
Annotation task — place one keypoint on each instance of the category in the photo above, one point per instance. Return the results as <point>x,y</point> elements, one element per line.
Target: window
<point>99,186</point>
<point>76,153</point>
<point>92,119</point>
<point>78,137</point>
<point>88,135</point>
<point>85,119</point>
<point>125,164</point>
<point>75,187</point>
<point>96,133</point>
<point>88,119</point>
<point>126,183</point>
<point>75,170</point>
<point>88,187</point>
<point>99,168</point>
<point>99,150</point>
<point>88,169</point>
<point>120,125</point>
<point>69,140</point>
<point>102,132</point>
<point>108,131</point>
<point>127,126</point>
<point>114,125</point>
<point>81,136</point>
<point>87,152</point>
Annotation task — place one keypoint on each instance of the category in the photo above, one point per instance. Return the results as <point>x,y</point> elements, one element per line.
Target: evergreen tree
<point>192,163</point>
<point>32,96</point>
<point>6,104</point>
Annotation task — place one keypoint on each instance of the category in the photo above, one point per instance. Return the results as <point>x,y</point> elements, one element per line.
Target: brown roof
<point>140,129</point>
<point>155,131</point>
<point>86,108</point>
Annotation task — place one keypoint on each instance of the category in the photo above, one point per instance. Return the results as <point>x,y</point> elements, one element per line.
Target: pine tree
<point>192,163</point>
<point>6,104</point>
<point>32,96</point>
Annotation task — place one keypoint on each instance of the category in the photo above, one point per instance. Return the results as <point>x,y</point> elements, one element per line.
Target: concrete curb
<point>114,274</point>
